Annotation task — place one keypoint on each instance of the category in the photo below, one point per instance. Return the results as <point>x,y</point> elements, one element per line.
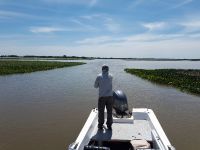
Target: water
<point>47,109</point>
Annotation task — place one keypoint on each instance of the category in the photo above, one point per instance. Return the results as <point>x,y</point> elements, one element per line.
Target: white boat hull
<point>142,125</point>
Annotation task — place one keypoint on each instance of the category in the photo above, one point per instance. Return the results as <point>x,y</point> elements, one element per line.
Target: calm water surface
<point>47,109</point>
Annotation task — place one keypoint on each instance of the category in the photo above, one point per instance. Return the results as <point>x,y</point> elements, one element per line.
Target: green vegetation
<point>13,67</point>
<point>185,80</point>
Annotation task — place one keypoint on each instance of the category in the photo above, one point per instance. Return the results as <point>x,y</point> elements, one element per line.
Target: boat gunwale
<point>138,114</point>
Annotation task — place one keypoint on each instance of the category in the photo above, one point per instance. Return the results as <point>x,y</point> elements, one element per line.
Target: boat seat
<point>140,144</point>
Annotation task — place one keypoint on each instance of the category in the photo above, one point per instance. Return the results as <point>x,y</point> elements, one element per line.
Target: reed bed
<point>13,67</point>
<point>185,80</point>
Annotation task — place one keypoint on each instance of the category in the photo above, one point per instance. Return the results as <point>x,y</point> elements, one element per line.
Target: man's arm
<point>96,83</point>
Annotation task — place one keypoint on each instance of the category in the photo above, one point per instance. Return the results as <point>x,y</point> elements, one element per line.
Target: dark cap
<point>105,67</point>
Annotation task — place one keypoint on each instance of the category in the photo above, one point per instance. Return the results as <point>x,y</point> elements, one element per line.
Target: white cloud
<point>93,2</point>
<point>139,38</point>
<point>10,15</point>
<point>90,17</point>
<point>187,25</point>
<point>166,46</point>
<point>197,35</point>
<point>193,25</point>
<point>111,25</point>
<point>83,26</point>
<point>136,3</point>
<point>49,29</point>
<point>4,14</point>
<point>45,29</point>
<point>152,37</point>
<point>96,40</point>
<point>104,22</point>
<point>182,3</point>
<point>73,2</point>
<point>13,48</point>
<point>155,25</point>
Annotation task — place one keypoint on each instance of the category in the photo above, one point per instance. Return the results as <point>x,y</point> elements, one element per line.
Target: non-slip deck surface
<point>140,129</point>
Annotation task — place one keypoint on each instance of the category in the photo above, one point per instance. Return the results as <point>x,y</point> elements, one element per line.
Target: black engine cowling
<point>120,102</point>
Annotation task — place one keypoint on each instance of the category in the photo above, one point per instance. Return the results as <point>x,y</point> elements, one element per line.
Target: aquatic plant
<point>13,67</point>
<point>185,80</point>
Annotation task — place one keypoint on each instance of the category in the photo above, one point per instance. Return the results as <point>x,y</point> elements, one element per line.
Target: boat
<point>138,130</point>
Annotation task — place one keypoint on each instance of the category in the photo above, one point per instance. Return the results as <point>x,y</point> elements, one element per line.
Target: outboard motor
<point>120,104</point>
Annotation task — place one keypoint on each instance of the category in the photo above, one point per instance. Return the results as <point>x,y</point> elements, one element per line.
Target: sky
<point>101,28</point>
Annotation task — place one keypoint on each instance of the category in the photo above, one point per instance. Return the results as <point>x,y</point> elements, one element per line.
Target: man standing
<point>104,83</point>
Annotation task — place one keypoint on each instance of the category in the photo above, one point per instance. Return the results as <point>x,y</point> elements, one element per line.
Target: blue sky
<point>105,28</point>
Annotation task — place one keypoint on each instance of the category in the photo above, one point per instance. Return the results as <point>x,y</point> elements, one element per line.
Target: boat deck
<point>142,124</point>
<point>139,129</point>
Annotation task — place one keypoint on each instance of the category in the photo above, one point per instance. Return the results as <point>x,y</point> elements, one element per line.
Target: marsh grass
<point>13,66</point>
<point>185,80</point>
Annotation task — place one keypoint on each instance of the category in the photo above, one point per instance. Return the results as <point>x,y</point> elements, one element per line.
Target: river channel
<point>46,110</point>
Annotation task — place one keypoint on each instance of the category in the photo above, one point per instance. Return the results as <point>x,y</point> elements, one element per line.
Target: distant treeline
<point>50,57</point>
<point>83,57</point>
<point>161,59</point>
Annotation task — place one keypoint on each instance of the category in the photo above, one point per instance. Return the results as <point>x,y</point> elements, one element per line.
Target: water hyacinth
<point>185,80</point>
<point>13,67</point>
